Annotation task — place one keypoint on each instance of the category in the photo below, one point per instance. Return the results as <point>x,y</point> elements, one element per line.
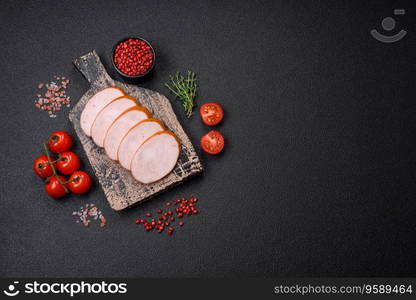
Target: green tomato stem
<point>45,147</point>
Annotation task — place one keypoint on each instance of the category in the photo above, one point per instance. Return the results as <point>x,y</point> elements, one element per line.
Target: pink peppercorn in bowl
<point>133,57</point>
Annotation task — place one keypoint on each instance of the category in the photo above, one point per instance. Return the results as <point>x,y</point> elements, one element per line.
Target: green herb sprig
<point>184,89</point>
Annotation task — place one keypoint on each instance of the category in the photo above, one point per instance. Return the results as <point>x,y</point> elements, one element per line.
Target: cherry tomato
<point>212,142</point>
<point>42,167</point>
<point>79,182</point>
<point>54,188</point>
<point>68,163</point>
<point>211,113</point>
<point>60,141</point>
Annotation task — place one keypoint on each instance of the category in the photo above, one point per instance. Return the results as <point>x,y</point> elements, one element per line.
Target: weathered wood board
<point>119,186</point>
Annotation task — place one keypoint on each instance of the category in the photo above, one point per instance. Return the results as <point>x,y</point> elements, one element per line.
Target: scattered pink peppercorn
<point>186,208</point>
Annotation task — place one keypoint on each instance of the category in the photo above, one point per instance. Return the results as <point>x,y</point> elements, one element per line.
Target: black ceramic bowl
<point>133,76</point>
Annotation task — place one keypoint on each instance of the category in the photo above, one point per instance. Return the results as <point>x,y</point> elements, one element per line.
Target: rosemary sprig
<point>184,88</point>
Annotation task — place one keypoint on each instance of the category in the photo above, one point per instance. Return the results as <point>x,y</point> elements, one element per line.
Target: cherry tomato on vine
<point>79,182</point>
<point>68,163</point>
<point>212,142</point>
<point>54,188</point>
<point>211,113</point>
<point>42,167</point>
<point>59,141</point>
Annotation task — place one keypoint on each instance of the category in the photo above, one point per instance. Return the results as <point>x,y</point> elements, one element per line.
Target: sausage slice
<point>135,137</point>
<point>95,104</point>
<point>108,115</point>
<point>121,126</point>
<point>156,157</point>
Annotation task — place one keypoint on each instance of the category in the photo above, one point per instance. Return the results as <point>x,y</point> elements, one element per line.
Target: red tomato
<point>68,163</point>
<point>79,182</point>
<point>212,142</point>
<point>211,113</point>
<point>42,167</point>
<point>54,188</point>
<point>59,141</point>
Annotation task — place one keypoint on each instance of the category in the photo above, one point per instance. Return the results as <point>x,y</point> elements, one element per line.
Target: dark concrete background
<point>318,175</point>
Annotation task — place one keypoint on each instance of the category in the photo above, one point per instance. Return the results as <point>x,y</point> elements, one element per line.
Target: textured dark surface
<point>318,175</point>
<point>119,186</point>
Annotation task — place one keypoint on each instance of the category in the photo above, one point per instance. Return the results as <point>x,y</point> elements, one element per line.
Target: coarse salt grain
<point>88,214</point>
<point>54,97</point>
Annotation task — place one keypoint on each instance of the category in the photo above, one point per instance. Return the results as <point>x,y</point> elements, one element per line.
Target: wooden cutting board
<point>119,186</point>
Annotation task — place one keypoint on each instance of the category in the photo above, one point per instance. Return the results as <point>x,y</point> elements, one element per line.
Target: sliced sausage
<point>134,138</point>
<point>121,126</point>
<point>108,115</point>
<point>156,157</point>
<point>95,104</point>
